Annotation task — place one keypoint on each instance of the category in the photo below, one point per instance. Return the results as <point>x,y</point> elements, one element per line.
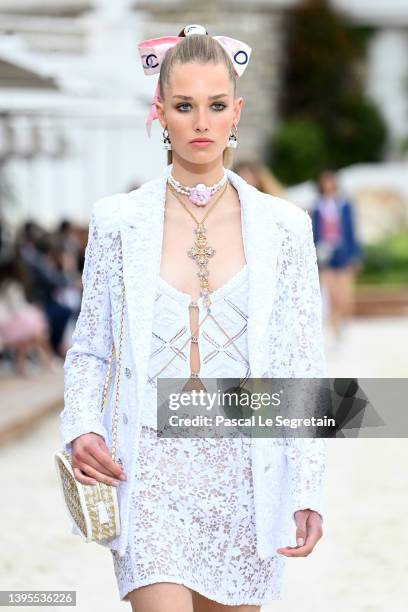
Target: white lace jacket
<point>284,339</point>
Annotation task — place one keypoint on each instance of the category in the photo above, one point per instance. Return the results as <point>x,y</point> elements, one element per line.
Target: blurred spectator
<point>30,233</point>
<point>338,252</point>
<point>45,280</point>
<point>67,254</point>
<point>67,239</point>
<point>23,326</point>
<point>259,176</point>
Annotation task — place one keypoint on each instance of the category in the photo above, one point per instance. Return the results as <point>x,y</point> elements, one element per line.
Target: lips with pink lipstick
<point>201,142</point>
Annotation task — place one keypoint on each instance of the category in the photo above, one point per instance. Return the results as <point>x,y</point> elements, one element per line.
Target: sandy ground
<point>359,565</point>
<point>372,347</point>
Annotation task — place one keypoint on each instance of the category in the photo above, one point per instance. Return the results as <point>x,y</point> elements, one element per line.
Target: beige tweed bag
<point>94,507</point>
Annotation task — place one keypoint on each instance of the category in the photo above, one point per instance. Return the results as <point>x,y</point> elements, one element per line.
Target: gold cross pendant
<point>201,252</point>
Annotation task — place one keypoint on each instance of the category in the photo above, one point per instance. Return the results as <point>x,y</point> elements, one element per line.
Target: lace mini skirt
<point>192,522</point>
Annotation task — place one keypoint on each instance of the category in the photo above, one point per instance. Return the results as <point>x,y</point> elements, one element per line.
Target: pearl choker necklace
<point>200,194</point>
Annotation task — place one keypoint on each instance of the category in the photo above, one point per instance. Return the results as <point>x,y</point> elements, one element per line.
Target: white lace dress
<point>192,509</point>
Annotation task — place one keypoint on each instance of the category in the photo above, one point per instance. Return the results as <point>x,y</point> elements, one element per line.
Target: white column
<point>388,77</point>
<point>113,32</point>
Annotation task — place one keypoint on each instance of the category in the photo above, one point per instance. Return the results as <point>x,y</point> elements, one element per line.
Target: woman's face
<point>328,184</point>
<point>193,107</point>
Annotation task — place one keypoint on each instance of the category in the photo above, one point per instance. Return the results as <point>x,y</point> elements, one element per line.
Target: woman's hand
<point>308,532</point>
<point>92,461</point>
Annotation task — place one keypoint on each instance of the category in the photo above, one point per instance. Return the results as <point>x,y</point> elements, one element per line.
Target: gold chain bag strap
<point>94,507</point>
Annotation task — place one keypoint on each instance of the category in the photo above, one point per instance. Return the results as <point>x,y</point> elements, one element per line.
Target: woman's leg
<point>202,604</point>
<point>347,292</point>
<point>45,352</point>
<point>342,297</point>
<point>328,282</point>
<point>162,597</point>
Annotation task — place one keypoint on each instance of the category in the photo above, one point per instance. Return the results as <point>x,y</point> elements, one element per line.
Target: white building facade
<point>74,98</point>
<point>73,104</point>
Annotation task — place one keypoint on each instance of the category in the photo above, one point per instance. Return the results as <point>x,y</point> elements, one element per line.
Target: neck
<point>189,173</point>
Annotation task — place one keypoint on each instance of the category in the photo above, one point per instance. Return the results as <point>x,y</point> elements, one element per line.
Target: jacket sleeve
<point>306,457</point>
<point>86,360</point>
<point>353,246</point>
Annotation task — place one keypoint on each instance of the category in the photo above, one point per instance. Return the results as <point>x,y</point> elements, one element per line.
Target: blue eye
<point>215,104</point>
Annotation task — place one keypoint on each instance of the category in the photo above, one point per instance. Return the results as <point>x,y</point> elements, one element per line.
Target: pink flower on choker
<point>200,194</point>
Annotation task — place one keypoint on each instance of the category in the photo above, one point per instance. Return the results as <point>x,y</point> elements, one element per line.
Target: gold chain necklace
<point>201,252</point>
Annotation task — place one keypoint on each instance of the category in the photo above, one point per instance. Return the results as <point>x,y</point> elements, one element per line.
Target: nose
<point>201,120</point>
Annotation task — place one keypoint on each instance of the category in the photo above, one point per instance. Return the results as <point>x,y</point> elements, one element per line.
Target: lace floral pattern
<point>192,517</point>
<point>87,359</point>
<point>300,354</point>
<point>192,522</point>
<point>284,339</point>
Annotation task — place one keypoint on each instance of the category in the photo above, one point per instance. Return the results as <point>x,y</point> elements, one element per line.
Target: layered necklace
<point>201,251</point>
<point>201,194</point>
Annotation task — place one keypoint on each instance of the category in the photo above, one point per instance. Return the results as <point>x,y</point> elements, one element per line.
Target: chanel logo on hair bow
<point>153,50</point>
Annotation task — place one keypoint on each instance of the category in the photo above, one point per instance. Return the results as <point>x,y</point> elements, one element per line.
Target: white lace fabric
<point>192,508</point>
<point>284,340</point>
<point>221,332</point>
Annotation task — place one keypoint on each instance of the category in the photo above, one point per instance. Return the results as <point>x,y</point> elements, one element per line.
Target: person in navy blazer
<point>338,251</point>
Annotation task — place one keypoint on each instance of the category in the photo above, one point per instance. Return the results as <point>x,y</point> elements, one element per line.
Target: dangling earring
<point>166,140</point>
<point>232,141</point>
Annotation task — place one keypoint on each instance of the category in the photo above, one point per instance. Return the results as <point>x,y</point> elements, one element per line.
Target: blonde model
<point>221,281</point>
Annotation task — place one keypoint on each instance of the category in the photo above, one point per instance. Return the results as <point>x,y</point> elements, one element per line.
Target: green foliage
<point>320,54</point>
<point>403,146</point>
<point>322,86</point>
<point>387,261</point>
<point>298,151</point>
<point>358,134</point>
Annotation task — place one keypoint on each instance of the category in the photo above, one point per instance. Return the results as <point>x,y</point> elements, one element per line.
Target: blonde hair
<point>264,179</point>
<point>201,49</point>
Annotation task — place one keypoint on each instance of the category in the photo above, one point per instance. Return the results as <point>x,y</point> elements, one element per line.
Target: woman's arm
<point>353,246</point>
<point>307,456</point>
<point>302,355</point>
<point>86,360</point>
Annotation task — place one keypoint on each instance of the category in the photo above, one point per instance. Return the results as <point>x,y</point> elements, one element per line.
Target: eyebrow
<point>221,95</point>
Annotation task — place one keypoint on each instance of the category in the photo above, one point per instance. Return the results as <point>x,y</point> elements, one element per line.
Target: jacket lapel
<point>262,240</point>
<point>142,221</point>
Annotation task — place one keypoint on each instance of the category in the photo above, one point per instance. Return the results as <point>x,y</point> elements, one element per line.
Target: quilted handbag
<point>93,508</point>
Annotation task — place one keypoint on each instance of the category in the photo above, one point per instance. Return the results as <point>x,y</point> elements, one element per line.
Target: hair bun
<point>194,28</point>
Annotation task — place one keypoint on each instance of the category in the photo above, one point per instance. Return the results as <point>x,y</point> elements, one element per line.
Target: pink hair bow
<point>153,50</point>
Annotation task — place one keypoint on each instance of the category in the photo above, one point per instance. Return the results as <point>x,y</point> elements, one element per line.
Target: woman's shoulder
<point>107,210</point>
